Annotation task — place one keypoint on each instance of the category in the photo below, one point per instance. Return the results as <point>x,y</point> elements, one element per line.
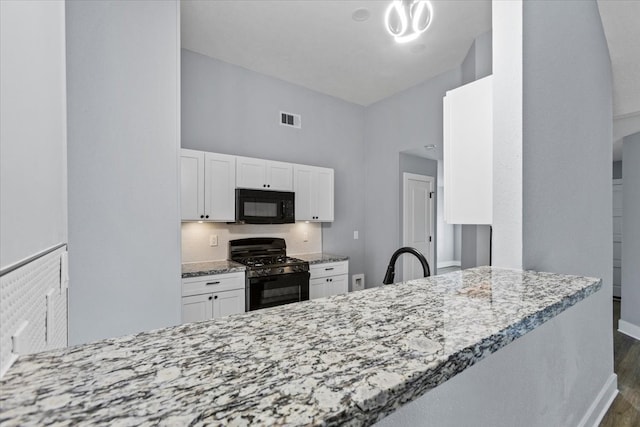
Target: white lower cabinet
<point>328,279</point>
<point>209,297</point>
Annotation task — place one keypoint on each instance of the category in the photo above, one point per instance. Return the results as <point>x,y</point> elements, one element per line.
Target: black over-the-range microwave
<point>264,206</point>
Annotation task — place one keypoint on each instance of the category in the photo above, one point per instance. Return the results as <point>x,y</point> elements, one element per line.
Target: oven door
<point>270,291</point>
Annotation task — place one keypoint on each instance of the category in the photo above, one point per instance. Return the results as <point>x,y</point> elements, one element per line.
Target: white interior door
<point>418,218</point>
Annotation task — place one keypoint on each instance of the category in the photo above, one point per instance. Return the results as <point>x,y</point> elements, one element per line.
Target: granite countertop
<point>206,268</point>
<point>344,360</point>
<point>320,257</point>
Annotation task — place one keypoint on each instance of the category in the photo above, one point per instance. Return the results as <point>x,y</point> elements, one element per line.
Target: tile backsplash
<point>300,237</point>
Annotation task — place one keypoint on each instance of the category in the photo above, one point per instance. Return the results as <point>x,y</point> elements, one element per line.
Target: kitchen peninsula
<point>349,359</point>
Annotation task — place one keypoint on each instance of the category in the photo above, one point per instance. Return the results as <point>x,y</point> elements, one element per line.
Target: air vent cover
<point>290,120</point>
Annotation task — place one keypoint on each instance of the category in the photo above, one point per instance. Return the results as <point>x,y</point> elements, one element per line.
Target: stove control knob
<point>281,270</point>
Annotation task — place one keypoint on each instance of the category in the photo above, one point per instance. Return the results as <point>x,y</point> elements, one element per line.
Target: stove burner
<point>265,256</point>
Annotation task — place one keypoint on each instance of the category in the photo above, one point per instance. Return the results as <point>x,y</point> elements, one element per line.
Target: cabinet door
<point>220,187</point>
<point>317,288</point>
<point>338,285</point>
<point>324,194</point>
<point>192,185</point>
<point>251,173</point>
<point>468,151</point>
<point>197,308</point>
<point>228,302</point>
<point>279,176</point>
<point>303,188</point>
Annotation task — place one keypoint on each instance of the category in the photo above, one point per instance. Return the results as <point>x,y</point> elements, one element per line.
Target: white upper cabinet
<point>314,193</point>
<point>220,187</point>
<point>207,186</point>
<point>209,181</point>
<point>263,174</point>
<point>468,153</point>
<point>192,185</point>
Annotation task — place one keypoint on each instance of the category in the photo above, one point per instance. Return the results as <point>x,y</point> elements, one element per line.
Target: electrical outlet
<point>213,240</point>
<point>357,282</point>
<point>305,236</point>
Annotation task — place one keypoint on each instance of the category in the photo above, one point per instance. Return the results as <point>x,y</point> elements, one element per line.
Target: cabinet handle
<point>264,185</point>
<point>201,216</point>
<point>210,298</point>
<point>215,297</point>
<point>329,269</point>
<point>206,216</point>
<point>268,185</point>
<point>213,283</point>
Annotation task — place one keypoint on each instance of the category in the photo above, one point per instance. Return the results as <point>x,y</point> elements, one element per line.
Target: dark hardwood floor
<point>625,410</point>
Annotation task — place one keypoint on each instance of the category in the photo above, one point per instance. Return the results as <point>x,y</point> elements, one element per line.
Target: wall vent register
<point>291,120</point>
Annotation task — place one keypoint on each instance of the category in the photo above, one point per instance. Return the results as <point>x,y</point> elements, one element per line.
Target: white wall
<point>552,159</point>
<point>123,68</point>
<point>301,238</point>
<point>33,177</point>
<point>33,134</point>
<point>630,310</point>
<point>507,133</point>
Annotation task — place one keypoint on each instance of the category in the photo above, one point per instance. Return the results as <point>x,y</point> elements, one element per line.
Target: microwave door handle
<point>283,214</point>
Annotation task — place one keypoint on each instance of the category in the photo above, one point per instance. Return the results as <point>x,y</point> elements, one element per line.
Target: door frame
<point>406,176</point>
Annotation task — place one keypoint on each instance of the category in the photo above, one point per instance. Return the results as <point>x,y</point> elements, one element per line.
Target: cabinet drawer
<point>214,283</point>
<point>329,269</point>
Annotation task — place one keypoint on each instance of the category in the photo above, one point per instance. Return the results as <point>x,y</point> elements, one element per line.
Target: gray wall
<point>567,156</point>
<point>420,166</point>
<point>475,245</point>
<point>33,140</point>
<point>631,231</point>
<point>123,124</point>
<point>407,120</point>
<point>617,170</point>
<point>229,109</point>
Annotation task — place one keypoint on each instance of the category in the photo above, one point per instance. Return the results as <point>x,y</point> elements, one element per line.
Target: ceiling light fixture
<point>407,19</point>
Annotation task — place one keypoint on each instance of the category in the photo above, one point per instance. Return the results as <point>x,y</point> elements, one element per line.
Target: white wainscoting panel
<point>33,308</point>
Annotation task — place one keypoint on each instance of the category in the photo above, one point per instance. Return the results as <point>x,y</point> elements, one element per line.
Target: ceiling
<point>317,44</point>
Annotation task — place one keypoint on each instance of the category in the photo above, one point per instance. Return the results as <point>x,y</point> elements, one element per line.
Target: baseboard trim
<point>630,329</point>
<point>445,264</point>
<point>601,404</point>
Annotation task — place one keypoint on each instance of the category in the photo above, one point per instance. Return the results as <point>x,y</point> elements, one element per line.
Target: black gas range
<point>272,277</point>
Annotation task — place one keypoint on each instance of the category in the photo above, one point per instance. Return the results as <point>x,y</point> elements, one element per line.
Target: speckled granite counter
<point>321,257</point>
<point>345,360</point>
<point>195,269</point>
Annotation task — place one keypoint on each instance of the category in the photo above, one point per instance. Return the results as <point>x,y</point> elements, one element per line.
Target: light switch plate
<point>355,235</point>
<point>213,240</point>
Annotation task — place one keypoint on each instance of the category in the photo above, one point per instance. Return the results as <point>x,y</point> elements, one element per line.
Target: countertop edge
<point>468,356</point>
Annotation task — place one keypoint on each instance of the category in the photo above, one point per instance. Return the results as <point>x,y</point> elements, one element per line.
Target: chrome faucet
<point>391,269</point>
